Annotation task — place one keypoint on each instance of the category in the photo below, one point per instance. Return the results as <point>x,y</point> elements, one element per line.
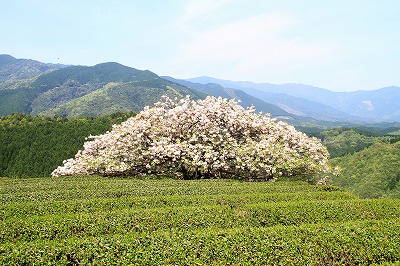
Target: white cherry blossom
<point>211,138</point>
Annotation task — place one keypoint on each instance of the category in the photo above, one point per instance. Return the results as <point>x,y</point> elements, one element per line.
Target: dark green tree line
<point>33,146</point>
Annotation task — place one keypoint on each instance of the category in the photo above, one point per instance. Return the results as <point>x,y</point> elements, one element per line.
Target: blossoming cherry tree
<point>210,138</point>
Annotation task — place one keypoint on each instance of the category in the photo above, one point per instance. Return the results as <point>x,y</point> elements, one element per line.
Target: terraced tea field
<point>116,221</point>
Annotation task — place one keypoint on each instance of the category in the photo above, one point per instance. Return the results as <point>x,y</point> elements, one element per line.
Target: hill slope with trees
<point>34,146</point>
<point>372,172</point>
<point>31,87</point>
<point>74,91</point>
<point>13,69</point>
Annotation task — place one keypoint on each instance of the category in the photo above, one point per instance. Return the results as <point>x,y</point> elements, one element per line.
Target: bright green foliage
<point>340,142</point>
<point>33,145</point>
<point>111,98</point>
<point>123,221</point>
<point>373,172</point>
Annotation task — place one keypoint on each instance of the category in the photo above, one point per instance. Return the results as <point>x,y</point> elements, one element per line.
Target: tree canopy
<point>32,146</point>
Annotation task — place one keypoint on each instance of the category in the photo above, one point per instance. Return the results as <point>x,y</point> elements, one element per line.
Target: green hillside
<point>344,141</point>
<point>372,172</point>
<point>119,97</point>
<point>33,146</point>
<point>95,220</point>
<point>74,91</point>
<point>13,69</point>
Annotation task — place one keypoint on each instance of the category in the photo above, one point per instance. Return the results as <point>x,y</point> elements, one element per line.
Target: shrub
<point>211,138</point>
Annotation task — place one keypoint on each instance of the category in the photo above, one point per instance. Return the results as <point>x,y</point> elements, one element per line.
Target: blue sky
<point>341,45</point>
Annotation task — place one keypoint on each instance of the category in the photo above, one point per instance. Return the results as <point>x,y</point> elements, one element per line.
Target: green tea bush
<point>93,220</point>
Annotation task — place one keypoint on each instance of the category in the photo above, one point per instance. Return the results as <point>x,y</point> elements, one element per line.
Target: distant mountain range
<point>32,87</point>
<point>106,88</point>
<point>244,98</point>
<point>304,100</point>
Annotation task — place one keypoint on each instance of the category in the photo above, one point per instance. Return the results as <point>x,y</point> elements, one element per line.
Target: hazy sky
<point>340,45</point>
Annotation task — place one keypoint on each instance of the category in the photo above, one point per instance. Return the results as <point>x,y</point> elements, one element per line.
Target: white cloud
<point>199,9</point>
<point>251,47</point>
<point>238,38</point>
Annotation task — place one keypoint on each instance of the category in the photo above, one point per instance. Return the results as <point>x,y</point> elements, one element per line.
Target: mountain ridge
<point>244,99</point>
<point>36,88</point>
<point>87,91</point>
<point>367,106</point>
<point>12,69</point>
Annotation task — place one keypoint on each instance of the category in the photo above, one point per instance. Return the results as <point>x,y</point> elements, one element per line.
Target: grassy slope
<point>163,221</point>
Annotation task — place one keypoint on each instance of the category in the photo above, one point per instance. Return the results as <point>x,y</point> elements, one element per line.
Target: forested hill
<point>88,91</point>
<point>372,172</point>
<point>13,69</point>
<point>31,87</point>
<point>33,146</point>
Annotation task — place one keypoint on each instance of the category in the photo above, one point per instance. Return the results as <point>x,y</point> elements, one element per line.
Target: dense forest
<point>33,146</point>
<point>368,158</point>
<point>373,172</point>
<point>344,141</point>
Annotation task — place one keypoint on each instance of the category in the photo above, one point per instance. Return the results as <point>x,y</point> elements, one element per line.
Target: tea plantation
<point>129,221</point>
